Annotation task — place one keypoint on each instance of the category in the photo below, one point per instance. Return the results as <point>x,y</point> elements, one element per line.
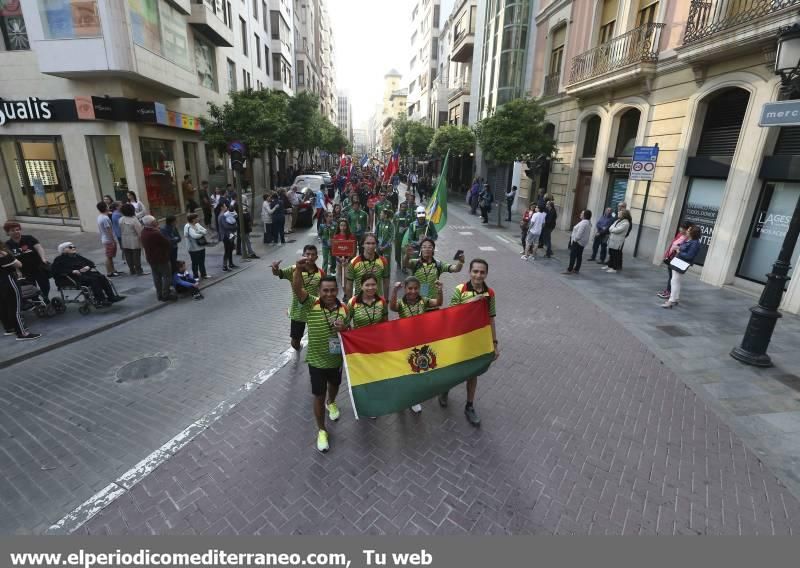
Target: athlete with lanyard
<point>412,304</point>
<point>311,280</point>
<point>471,291</point>
<point>427,269</point>
<point>367,307</point>
<point>326,317</point>
<point>368,263</point>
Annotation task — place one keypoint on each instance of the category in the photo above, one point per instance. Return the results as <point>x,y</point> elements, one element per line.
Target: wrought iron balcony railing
<point>708,17</point>
<point>551,83</point>
<point>640,45</point>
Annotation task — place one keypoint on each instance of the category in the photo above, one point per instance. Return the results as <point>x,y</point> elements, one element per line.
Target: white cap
<point>420,210</point>
<point>64,246</point>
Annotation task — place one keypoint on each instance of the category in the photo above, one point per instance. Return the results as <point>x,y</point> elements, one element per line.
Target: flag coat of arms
<point>393,365</point>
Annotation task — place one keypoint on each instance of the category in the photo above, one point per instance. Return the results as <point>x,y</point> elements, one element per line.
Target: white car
<point>315,182</point>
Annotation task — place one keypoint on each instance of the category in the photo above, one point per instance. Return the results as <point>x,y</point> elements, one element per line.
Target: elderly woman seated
<point>82,271</point>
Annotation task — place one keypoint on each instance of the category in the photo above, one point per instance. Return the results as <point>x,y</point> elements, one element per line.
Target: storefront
<point>59,157</point>
<point>618,171</point>
<point>780,192</point>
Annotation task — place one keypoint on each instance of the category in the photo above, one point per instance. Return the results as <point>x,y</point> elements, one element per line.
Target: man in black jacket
<point>83,271</point>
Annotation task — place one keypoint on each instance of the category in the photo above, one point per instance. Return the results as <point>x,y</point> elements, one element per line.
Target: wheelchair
<point>32,300</point>
<point>73,292</point>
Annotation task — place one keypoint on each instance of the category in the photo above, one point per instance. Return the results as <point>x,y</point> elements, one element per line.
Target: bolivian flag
<point>393,365</point>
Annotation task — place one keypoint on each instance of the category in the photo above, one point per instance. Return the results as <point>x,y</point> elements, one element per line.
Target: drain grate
<point>143,368</point>
<point>674,330</point>
<point>135,290</point>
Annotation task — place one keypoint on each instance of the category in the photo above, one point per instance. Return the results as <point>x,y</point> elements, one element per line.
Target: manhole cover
<point>674,330</point>
<point>143,368</point>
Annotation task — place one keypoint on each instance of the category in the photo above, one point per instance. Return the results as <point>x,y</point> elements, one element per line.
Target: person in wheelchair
<point>82,271</point>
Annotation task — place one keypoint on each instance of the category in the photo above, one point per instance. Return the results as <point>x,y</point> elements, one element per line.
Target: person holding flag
<point>429,222</point>
<point>420,229</point>
<point>326,317</point>
<point>471,291</point>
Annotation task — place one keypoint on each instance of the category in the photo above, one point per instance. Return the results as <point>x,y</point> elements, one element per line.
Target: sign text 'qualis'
<point>31,109</point>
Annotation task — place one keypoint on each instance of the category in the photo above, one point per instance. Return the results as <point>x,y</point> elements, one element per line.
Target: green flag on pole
<point>437,203</point>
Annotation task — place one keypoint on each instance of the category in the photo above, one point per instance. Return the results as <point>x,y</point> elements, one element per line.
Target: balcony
<point>624,59</point>
<point>718,29</point>
<point>461,88</point>
<point>207,16</point>
<point>463,45</point>
<point>551,84</point>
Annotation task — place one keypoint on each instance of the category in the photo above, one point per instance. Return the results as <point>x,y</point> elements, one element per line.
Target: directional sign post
<point>643,167</point>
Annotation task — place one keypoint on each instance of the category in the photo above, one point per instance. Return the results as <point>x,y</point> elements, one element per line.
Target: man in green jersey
<point>311,280</point>
<point>358,222</point>
<point>421,228</point>
<point>326,316</point>
<point>401,222</point>
<point>384,230</point>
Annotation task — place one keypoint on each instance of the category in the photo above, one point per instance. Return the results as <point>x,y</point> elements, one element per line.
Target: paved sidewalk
<point>584,431</point>
<point>140,295</point>
<point>695,340</point>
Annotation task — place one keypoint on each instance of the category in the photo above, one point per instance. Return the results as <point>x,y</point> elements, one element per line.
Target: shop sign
<point>619,165</point>
<point>780,113</point>
<point>31,109</point>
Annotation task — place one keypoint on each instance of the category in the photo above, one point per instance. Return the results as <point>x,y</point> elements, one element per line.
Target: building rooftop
<point>393,73</point>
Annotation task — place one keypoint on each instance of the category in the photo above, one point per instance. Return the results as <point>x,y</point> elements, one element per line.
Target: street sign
<point>236,146</point>
<point>644,163</point>
<point>781,113</point>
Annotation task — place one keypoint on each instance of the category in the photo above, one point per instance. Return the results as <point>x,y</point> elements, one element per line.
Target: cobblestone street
<point>584,431</point>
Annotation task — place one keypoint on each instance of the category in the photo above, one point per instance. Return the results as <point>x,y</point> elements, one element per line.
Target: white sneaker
<point>416,409</point>
<point>611,270</point>
<point>524,257</point>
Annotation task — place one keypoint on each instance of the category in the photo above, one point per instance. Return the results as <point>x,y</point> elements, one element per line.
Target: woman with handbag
<point>195,235</point>
<point>672,250</point>
<point>680,263</point>
<point>618,232</point>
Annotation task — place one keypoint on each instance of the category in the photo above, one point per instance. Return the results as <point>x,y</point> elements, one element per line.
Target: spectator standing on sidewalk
<point>618,232</point>
<point>157,250</point>
<point>28,250</point>
<point>601,235</point>
<point>524,225</point>
<point>687,252</point>
<point>116,215</point>
<point>278,219</point>
<point>326,317</point>
<point>535,228</point>
<point>107,239</point>
<point>170,231</point>
<point>196,242</point>
<point>551,215</point>
<point>205,203</point>
<point>472,197</point>
<point>138,207</point>
<point>187,188</point>
<point>227,224</point>
<point>247,246</point>
<point>10,300</point>
<point>510,195</point>
<point>578,241</point>
<point>294,205</point>
<point>485,199</point>
<point>266,219</point>
<point>673,249</point>
<point>130,230</point>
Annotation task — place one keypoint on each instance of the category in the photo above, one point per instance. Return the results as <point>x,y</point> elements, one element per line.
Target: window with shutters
<point>723,123</point>
<point>591,137</point>
<point>608,20</point>
<point>557,51</point>
<point>648,10</point>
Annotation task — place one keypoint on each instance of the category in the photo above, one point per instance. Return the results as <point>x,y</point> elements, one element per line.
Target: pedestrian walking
<point>226,224</point>
<point>510,195</point>
<point>357,220</point>
<point>578,241</point>
<point>185,283</point>
<point>196,242</point>
<point>485,199</point>
<point>401,223</point>
<point>426,269</point>
<point>157,250</point>
<point>10,300</point>
<point>601,235</point>
<point>170,230</point>
<point>312,276</point>
<point>674,247</point>
<point>687,252</point>
<point>618,232</point>
<point>247,221</point>
<point>472,197</point>
<point>535,228</point>
<point>326,317</point>
<point>130,230</point>
<point>369,262</point>
<point>326,231</point>
<point>384,230</point>
<point>551,215</point>
<point>475,288</point>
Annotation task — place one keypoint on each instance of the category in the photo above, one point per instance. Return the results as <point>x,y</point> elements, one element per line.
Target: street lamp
<point>764,316</point>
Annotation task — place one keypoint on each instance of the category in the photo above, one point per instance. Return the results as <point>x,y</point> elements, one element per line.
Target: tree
<point>460,140</point>
<point>515,133</point>
<point>304,122</point>
<point>400,126</point>
<point>418,137</point>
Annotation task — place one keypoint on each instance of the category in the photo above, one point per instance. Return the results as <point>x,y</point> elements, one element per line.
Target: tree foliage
<point>515,133</point>
<point>460,140</point>
<point>418,138</point>
<point>400,126</point>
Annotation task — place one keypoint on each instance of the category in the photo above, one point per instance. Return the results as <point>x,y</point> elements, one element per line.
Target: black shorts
<point>321,377</point>
<point>297,329</point>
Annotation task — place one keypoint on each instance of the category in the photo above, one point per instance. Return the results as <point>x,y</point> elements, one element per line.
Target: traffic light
<point>237,160</point>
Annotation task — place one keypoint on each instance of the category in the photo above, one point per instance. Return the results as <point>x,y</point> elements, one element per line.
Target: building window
<point>266,59</point>
<point>109,166</point>
<point>158,161</point>
<point>301,77</point>
<point>276,66</point>
<point>648,10</point>
<point>205,62</point>
<point>12,28</point>
<point>608,20</point>
<point>67,19</point>
<point>258,51</point>
<point>245,80</point>
<point>264,16</point>
<point>591,138</point>
<point>255,10</point>
<point>161,29</point>
<point>231,76</point>
<point>243,26</point>
<point>229,12</point>
<point>436,16</point>
<point>626,137</point>
<point>557,51</point>
<point>274,20</point>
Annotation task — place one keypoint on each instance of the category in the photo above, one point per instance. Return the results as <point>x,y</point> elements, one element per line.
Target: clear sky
<point>371,37</point>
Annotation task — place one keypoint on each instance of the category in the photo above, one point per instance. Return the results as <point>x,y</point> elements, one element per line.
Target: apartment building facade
<point>427,16</point>
<point>344,117</point>
<point>101,97</point>
<point>692,77</point>
<point>314,54</point>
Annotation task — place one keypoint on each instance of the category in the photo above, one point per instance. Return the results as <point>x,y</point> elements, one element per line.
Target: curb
<point>106,326</point>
